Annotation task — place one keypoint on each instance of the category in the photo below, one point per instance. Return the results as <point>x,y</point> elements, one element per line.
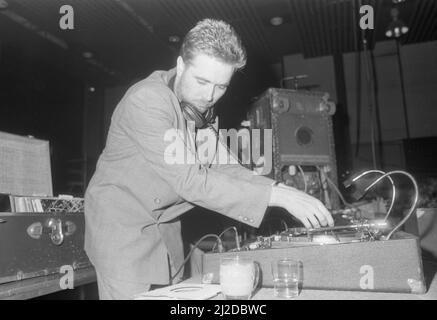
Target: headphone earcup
<point>210,116</point>
<point>192,114</point>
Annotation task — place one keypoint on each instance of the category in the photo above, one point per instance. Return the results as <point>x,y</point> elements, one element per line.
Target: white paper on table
<point>184,291</point>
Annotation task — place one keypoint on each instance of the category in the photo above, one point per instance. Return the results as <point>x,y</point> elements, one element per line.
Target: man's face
<point>202,81</point>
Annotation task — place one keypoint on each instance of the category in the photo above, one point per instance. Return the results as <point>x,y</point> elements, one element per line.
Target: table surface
<point>39,286</point>
<point>430,271</point>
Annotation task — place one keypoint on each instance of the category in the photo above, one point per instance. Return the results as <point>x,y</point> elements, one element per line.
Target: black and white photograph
<point>225,156</point>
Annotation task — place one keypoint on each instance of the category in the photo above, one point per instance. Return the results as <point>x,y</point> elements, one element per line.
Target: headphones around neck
<point>200,120</point>
<point>191,113</point>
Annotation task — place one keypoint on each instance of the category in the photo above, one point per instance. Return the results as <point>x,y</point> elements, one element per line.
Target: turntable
<point>362,255</point>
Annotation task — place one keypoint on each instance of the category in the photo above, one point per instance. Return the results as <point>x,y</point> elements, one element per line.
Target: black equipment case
<point>34,244</point>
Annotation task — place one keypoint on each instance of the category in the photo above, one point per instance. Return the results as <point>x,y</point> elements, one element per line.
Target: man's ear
<point>180,65</point>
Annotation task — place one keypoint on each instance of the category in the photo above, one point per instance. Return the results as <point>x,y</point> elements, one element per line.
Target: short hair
<point>214,38</point>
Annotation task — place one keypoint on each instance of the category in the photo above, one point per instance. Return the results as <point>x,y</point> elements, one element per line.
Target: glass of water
<point>287,276</point>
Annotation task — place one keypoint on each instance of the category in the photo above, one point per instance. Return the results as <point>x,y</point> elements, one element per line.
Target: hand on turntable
<point>309,210</point>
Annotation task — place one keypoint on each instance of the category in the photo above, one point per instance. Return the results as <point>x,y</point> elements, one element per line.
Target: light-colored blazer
<point>135,198</point>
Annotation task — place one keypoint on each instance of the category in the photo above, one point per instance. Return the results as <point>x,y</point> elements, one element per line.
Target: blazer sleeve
<point>147,116</point>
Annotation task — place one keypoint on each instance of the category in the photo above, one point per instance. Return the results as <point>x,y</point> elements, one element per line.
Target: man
<point>136,197</point>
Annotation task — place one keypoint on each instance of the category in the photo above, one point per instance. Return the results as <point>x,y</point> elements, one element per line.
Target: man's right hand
<point>307,209</point>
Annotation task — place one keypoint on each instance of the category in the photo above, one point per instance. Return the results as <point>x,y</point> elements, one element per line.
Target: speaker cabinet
<point>303,141</point>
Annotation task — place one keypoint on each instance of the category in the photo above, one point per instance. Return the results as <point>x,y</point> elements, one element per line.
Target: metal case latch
<point>56,235</point>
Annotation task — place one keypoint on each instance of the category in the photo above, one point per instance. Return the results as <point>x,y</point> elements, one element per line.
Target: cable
<point>303,177</point>
<point>413,206</point>
<point>324,188</point>
<point>196,155</point>
<point>346,204</point>
<point>370,92</point>
<point>370,106</point>
<point>225,145</point>
<point>217,137</point>
<point>357,75</point>
<point>194,247</point>
<point>236,237</point>
<point>393,196</point>
<point>404,101</point>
